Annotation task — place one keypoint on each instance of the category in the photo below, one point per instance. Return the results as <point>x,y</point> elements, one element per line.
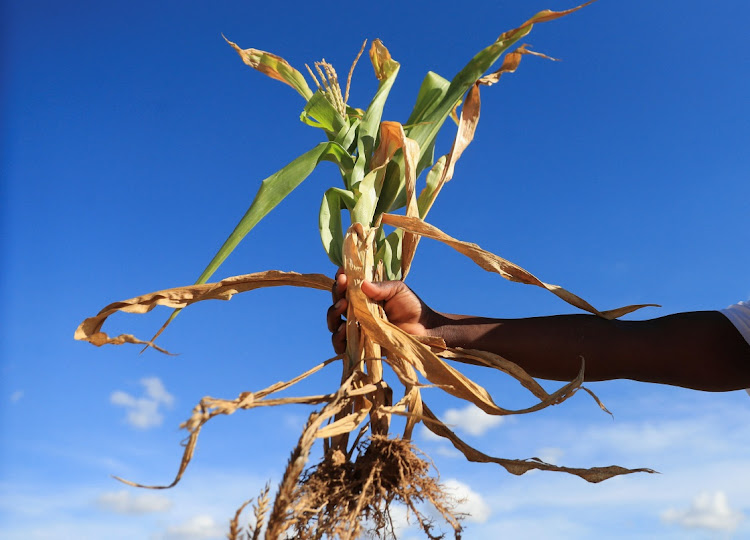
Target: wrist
<point>465,331</point>
<point>441,325</point>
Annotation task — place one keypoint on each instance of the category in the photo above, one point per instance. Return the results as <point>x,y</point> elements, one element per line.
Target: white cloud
<point>546,526</point>
<point>471,420</point>
<point>126,502</point>
<point>199,527</point>
<point>144,412</point>
<point>400,520</point>
<point>295,422</point>
<point>707,511</point>
<point>69,509</point>
<point>62,510</point>
<point>428,435</point>
<point>470,502</point>
<point>404,523</point>
<point>156,391</point>
<point>448,452</point>
<point>652,437</point>
<point>16,396</point>
<point>551,455</point>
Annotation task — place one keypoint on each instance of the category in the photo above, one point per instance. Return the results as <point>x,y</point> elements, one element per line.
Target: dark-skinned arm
<point>701,350</point>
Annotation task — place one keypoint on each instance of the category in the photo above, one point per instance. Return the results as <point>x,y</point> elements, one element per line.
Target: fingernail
<point>341,327</point>
<point>337,305</point>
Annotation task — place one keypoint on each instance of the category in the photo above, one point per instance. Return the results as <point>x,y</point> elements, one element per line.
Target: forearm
<point>700,350</point>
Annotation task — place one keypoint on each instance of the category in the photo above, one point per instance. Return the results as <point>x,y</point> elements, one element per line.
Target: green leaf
<point>272,191</point>
<point>359,166</point>
<point>368,130</point>
<point>321,114</point>
<point>367,197</point>
<point>435,100</point>
<point>433,177</point>
<point>348,134</point>
<point>431,92</point>
<point>336,154</point>
<point>389,251</point>
<point>394,183</point>
<point>428,118</point>
<point>331,232</point>
<point>426,126</point>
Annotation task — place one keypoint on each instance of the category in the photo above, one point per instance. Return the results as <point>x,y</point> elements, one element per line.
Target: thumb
<point>383,290</point>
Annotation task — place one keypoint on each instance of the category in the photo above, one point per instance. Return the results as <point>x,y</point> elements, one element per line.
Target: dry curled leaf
<point>491,360</point>
<point>543,16</point>
<point>275,67</point>
<point>521,466</point>
<point>507,269</point>
<point>421,357</point>
<point>381,60</point>
<point>411,158</point>
<point>510,64</point>
<point>181,297</point>
<point>210,407</point>
<point>467,126</point>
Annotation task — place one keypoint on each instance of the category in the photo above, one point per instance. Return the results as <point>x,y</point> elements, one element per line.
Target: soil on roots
<point>346,499</point>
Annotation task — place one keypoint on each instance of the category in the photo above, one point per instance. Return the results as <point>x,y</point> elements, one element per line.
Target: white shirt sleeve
<point>739,314</point>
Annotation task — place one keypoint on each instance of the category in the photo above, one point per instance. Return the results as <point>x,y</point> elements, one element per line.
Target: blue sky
<point>134,139</point>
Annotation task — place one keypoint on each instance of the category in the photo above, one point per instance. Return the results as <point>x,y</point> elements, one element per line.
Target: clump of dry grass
<point>260,511</point>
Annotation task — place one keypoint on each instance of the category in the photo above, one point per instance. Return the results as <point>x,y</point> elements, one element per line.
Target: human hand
<point>402,307</point>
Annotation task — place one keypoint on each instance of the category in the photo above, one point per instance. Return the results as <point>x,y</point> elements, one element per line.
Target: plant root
<point>348,499</point>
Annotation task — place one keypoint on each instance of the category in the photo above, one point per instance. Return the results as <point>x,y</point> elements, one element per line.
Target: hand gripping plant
<point>351,489</point>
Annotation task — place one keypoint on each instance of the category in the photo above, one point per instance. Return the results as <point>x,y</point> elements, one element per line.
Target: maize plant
<point>364,466</point>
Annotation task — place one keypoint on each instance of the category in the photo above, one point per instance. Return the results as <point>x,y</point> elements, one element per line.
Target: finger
<point>338,339</point>
<point>335,285</point>
<point>332,320</point>
<point>339,285</point>
<point>334,313</point>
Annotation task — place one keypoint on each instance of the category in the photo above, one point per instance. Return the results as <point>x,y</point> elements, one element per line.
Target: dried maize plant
<point>364,467</point>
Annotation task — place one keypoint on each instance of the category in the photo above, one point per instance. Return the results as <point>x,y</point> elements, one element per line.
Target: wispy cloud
<point>71,509</point>
<point>448,452</point>
<point>696,441</point>
<point>200,527</point>
<point>126,502</point>
<point>707,511</point>
<point>16,396</point>
<point>428,435</point>
<point>470,502</point>
<point>550,455</point>
<point>295,422</point>
<point>471,420</point>
<point>51,510</point>
<point>144,412</point>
